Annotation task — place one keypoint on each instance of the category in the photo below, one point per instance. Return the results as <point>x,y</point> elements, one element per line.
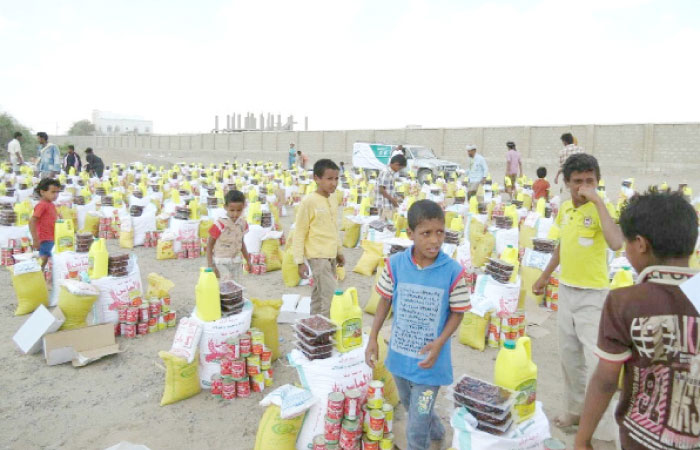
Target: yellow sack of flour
<point>92,224</point>
<point>340,273</point>
<point>345,223</point>
<point>290,271</point>
<point>528,276</point>
<point>30,289</point>
<point>126,239</point>
<point>525,236</point>
<point>374,297</point>
<point>472,330</point>
<point>273,254</point>
<point>181,378</point>
<point>352,235</point>
<point>204,226</point>
<point>370,257</point>
<point>165,250</point>
<point>158,286</point>
<point>276,433</point>
<point>482,245</point>
<point>265,314</point>
<point>75,299</point>
<point>381,373</point>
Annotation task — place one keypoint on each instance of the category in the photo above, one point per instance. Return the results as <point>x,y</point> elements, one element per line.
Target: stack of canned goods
<point>246,367</point>
<point>258,263</point>
<point>151,238</point>
<point>108,228</point>
<point>350,425</point>
<point>189,248</point>
<point>14,247</point>
<point>141,318</point>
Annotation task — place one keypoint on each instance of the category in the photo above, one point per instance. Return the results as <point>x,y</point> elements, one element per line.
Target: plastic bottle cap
<point>510,246</point>
<point>509,344</point>
<point>338,292</point>
<point>208,269</point>
<point>626,268</point>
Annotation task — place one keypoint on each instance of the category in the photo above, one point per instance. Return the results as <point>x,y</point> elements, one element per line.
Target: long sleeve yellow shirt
<point>316,228</point>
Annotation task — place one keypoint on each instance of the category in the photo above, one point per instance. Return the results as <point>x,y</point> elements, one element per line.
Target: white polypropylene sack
<point>186,340</point>
<point>490,295</point>
<point>253,238</point>
<point>292,400</point>
<point>63,264</point>
<point>80,288</point>
<point>340,372</point>
<point>212,345</point>
<point>82,211</point>
<point>504,238</point>
<point>543,226</point>
<point>528,435</point>
<point>463,255</point>
<point>144,224</point>
<point>12,232</point>
<point>183,230</point>
<point>116,292</point>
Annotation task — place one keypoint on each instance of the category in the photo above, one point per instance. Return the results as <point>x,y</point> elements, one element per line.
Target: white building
<point>107,123</point>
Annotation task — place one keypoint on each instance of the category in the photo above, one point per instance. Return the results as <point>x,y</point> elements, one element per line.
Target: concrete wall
<point>650,152</point>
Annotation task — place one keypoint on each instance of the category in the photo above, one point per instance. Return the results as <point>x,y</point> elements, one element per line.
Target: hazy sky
<point>351,64</point>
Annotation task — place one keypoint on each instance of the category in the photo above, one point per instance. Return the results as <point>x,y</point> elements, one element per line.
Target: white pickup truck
<point>422,160</point>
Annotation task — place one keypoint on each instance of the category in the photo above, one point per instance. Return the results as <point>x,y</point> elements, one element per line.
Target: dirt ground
<point>117,398</point>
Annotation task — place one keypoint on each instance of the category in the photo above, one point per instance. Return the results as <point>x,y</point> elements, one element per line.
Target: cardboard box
<point>81,346</point>
<point>42,321</point>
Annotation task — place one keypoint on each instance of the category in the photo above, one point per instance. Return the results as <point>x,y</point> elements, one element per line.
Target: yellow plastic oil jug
<point>510,255</point>
<point>473,205</point>
<point>254,216</point>
<point>64,236</point>
<point>207,297</point>
<point>194,209</point>
<point>515,370</point>
<point>175,196</point>
<point>457,224</point>
<point>347,316</point>
<point>23,211</point>
<point>541,205</point>
<point>622,278</point>
<point>98,259</point>
<point>364,206</point>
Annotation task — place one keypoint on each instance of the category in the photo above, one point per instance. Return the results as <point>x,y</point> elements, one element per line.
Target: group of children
<point>651,330</point>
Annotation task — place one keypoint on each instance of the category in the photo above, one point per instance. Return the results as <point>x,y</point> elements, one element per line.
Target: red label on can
<point>238,369</point>
<point>352,407</point>
<point>128,330</point>
<point>226,366</point>
<point>228,392</point>
<point>142,328</point>
<point>122,314</point>
<point>132,314</point>
<point>144,315</point>
<point>217,386</point>
<point>331,430</point>
<point>154,309</point>
<point>243,388</point>
<point>257,349</point>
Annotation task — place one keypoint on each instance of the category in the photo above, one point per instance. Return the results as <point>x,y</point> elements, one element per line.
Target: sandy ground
<point>117,398</point>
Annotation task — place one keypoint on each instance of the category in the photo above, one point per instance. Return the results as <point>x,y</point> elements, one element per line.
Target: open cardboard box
<point>42,321</point>
<point>81,346</point>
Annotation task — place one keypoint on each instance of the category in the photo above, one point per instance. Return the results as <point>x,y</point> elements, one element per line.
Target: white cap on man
<point>470,147</point>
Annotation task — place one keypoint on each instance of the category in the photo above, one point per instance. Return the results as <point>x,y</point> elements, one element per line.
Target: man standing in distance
<point>292,155</point>
<point>514,166</point>
<point>478,169</point>
<point>14,148</point>
<point>569,149</point>
<point>385,195</point>
<point>49,157</point>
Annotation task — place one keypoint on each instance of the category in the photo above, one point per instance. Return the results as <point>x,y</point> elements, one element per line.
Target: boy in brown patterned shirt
<point>225,245</point>
<point>653,330</point>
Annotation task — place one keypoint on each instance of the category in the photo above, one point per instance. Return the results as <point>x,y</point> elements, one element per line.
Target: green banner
<point>382,152</point>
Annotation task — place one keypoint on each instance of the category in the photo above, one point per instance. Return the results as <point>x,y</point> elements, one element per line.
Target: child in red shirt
<point>540,188</point>
<point>43,220</point>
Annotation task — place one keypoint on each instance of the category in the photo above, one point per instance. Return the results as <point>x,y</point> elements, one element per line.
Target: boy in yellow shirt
<point>587,230</point>
<point>316,236</point>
